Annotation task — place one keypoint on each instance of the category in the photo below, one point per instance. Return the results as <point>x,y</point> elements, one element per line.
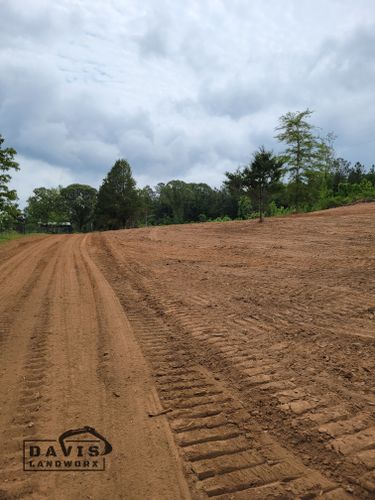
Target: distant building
<point>55,227</point>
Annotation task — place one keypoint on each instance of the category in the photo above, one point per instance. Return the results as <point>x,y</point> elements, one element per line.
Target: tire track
<point>17,290</point>
<point>26,398</point>
<point>19,257</point>
<point>223,445</point>
<point>288,401</point>
<point>54,380</point>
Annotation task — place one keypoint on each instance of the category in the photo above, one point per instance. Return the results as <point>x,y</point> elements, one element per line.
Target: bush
<point>225,218</point>
<point>244,207</point>
<point>274,210</point>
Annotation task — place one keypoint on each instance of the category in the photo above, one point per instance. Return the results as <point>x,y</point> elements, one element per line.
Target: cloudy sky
<point>182,89</point>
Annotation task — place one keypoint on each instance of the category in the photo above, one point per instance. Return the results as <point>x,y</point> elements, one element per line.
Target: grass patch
<point>13,235</point>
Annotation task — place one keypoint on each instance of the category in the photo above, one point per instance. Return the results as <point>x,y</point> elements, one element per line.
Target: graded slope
<point>261,338</point>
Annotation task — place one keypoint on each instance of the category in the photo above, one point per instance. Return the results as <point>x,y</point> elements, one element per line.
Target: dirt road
<point>253,344</point>
<point>69,359</point>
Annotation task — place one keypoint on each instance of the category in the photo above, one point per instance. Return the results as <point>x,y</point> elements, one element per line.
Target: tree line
<point>120,204</point>
<point>305,176</point>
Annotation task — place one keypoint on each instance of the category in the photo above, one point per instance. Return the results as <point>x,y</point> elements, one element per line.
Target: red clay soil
<point>252,345</point>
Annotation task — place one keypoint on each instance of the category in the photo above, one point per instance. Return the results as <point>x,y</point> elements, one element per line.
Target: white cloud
<point>36,173</point>
<point>181,89</point>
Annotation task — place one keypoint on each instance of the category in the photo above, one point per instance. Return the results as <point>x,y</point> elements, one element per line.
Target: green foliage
<point>178,202</point>
<point>305,152</point>
<point>256,180</point>
<point>244,207</point>
<point>274,210</point>
<point>261,174</point>
<point>75,203</point>
<point>348,193</point>
<point>146,198</point>
<point>226,218</point>
<point>13,235</point>
<point>8,197</point>
<point>47,205</point>
<point>118,201</point>
<point>80,202</point>
<point>8,236</point>
<point>176,196</point>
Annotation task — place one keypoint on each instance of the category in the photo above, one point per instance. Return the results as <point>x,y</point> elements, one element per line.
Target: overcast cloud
<point>182,89</point>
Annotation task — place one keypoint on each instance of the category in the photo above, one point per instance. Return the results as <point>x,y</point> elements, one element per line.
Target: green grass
<point>13,235</point>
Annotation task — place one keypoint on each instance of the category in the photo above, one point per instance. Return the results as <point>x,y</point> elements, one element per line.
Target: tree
<point>178,202</point>
<point>176,196</point>
<point>340,172</point>
<point>146,198</point>
<point>325,161</point>
<point>325,153</point>
<point>244,207</point>
<point>302,146</point>
<point>226,203</point>
<point>80,201</point>
<point>46,205</point>
<point>201,203</point>
<point>318,179</point>
<point>371,175</point>
<point>8,208</point>
<point>118,201</point>
<point>234,186</point>
<point>356,173</point>
<point>263,171</point>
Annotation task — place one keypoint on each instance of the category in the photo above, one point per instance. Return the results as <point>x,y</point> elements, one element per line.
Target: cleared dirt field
<point>253,344</point>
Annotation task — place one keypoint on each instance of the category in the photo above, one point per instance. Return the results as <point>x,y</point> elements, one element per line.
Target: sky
<point>181,89</point>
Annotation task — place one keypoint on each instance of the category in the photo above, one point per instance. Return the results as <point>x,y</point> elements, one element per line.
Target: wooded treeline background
<point>305,176</point>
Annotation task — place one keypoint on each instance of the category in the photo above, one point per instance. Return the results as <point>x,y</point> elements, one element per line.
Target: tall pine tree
<point>117,198</point>
<point>264,171</point>
<point>302,147</point>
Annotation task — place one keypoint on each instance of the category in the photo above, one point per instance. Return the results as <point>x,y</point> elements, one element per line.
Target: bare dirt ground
<point>68,358</point>
<point>256,340</point>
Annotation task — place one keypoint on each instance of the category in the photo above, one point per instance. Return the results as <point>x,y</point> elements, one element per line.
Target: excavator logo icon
<point>82,449</point>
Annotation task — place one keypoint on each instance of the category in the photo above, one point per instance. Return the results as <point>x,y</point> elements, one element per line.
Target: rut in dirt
<point>296,367</point>
<point>69,359</point>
